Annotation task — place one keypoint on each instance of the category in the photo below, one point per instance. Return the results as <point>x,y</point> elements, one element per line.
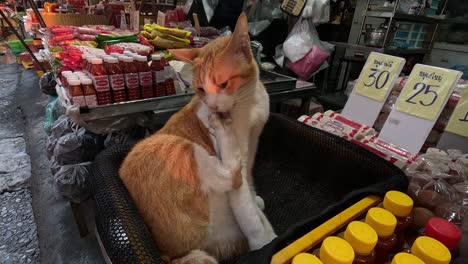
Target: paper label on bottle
<point>131,80</point>
<point>117,81</point>
<point>146,78</point>
<point>79,100</point>
<point>101,83</point>
<point>91,100</point>
<point>458,123</point>
<point>168,72</point>
<point>160,76</point>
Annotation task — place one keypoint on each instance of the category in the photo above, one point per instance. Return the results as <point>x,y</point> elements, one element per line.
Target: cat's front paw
<point>215,122</point>
<point>260,241</point>
<point>260,203</point>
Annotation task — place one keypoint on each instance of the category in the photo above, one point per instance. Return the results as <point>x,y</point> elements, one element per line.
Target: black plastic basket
<point>304,175</point>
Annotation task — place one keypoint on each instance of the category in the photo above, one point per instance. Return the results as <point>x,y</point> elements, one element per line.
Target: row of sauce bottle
<point>122,77</point>
<point>380,238</point>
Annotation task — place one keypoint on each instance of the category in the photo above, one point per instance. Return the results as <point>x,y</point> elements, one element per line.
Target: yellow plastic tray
<point>314,237</point>
<point>27,64</point>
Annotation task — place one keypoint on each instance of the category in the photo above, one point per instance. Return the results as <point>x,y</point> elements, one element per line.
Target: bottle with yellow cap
<point>430,251</point>
<point>406,258</point>
<point>401,206</point>
<point>362,239</point>
<point>384,223</point>
<point>306,258</point>
<point>335,250</point>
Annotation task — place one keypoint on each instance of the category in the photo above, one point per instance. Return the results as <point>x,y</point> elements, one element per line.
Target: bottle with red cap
<point>157,68</point>
<point>131,78</point>
<point>169,78</point>
<point>146,78</point>
<point>89,92</point>
<point>74,86</point>
<point>101,82</point>
<point>117,80</point>
<point>445,232</point>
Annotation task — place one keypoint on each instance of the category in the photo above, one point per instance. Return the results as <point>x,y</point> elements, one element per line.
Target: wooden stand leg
<point>79,219</point>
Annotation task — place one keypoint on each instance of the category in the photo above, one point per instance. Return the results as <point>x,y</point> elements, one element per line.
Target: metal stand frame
<point>20,38</point>
<point>37,13</point>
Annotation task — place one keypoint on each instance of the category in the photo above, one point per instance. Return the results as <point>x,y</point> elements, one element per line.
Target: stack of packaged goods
<point>439,183</point>
<point>359,134</point>
<point>116,78</point>
<point>166,38</point>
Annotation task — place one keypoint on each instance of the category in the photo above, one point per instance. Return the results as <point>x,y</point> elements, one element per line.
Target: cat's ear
<point>187,55</point>
<point>239,45</point>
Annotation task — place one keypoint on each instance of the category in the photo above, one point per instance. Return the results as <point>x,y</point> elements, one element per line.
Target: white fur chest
<point>250,118</point>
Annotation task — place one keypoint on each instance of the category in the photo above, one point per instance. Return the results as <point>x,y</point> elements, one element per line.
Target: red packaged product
<point>146,77</point>
<point>157,68</point>
<point>169,78</point>
<point>131,78</point>
<point>74,86</point>
<point>101,82</point>
<point>89,93</point>
<point>117,80</point>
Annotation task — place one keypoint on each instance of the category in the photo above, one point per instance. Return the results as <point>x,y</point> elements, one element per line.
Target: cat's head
<point>224,70</point>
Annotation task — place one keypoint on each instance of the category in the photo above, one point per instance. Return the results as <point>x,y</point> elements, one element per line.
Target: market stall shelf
<point>279,87</point>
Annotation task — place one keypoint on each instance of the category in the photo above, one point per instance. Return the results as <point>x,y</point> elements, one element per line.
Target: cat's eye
<point>201,90</point>
<point>223,85</point>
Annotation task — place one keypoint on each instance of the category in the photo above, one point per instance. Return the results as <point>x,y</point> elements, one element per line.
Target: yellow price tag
<point>378,75</point>
<point>458,123</point>
<point>426,91</point>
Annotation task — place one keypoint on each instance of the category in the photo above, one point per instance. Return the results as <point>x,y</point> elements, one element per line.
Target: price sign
<point>458,122</point>
<point>426,91</point>
<point>419,105</point>
<point>372,88</point>
<point>378,76</point>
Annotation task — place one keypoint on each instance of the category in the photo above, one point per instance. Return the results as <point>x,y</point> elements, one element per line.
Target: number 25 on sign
<point>426,91</point>
<point>378,76</point>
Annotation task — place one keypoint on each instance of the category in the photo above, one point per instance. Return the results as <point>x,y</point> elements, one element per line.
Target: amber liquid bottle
<point>401,206</point>
<point>117,80</point>
<point>157,68</point>
<point>101,82</point>
<point>384,223</point>
<point>362,239</point>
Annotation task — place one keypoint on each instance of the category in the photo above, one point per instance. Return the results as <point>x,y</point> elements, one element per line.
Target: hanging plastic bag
<point>305,50</point>
<point>48,83</point>
<point>76,147</point>
<point>260,14</point>
<point>317,10</point>
<point>49,117</point>
<point>72,181</point>
<point>301,39</point>
<point>310,63</point>
<point>209,6</point>
<point>279,55</point>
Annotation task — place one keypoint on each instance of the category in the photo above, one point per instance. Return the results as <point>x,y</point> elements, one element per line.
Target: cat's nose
<point>213,108</point>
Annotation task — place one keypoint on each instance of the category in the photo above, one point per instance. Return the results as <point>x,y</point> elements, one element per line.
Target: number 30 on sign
<point>426,91</point>
<point>378,75</point>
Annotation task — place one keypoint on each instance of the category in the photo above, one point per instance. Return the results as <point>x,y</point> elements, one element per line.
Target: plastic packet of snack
<point>362,130</point>
<point>319,120</point>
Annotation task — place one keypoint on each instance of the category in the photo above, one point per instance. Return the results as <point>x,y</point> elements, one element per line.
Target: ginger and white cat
<point>191,181</point>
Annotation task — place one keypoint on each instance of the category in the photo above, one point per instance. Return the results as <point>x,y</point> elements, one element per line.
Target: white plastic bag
<point>209,6</point>
<point>306,52</point>
<point>260,14</point>
<point>317,10</point>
